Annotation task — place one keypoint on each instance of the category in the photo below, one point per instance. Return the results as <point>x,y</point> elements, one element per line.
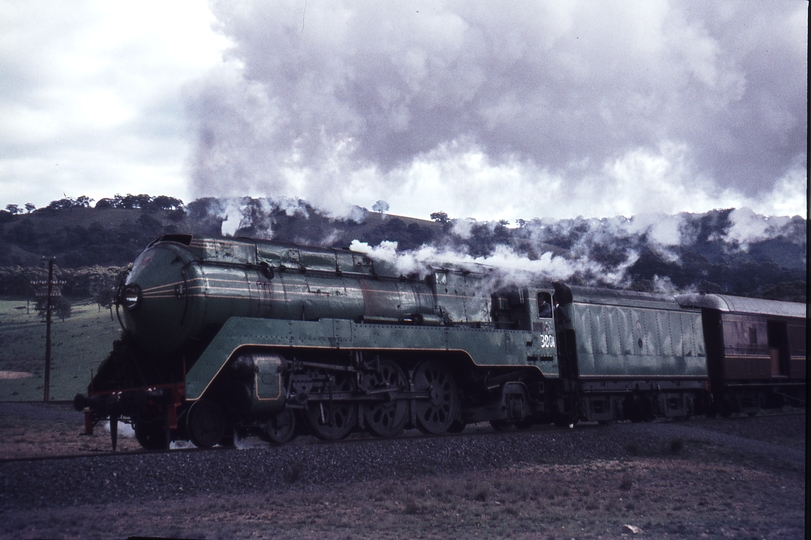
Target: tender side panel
<point>638,357</point>
<point>625,341</point>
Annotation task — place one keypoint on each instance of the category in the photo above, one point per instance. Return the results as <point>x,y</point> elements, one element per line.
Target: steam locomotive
<point>240,337</point>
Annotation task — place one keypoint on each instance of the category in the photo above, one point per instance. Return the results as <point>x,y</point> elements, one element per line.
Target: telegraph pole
<point>50,294</point>
<point>48,329</point>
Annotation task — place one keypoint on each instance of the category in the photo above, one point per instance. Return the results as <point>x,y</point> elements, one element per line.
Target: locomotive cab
<point>512,309</point>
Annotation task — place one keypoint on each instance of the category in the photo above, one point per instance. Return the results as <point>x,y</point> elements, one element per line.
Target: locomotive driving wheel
<point>386,418</point>
<point>332,420</point>
<point>280,428</point>
<point>437,413</point>
<point>206,423</point>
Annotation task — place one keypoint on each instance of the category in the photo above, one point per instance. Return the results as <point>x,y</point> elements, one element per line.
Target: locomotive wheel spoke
<point>336,420</point>
<point>387,418</point>
<point>280,428</point>
<point>206,423</point>
<point>436,414</point>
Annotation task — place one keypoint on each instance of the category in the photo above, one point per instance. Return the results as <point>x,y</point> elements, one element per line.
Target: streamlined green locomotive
<point>251,337</point>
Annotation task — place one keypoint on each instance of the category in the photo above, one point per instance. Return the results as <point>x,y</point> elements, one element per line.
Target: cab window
<point>544,305</point>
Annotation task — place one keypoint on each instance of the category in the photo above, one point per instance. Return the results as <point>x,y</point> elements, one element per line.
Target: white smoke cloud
<point>664,286</point>
<point>511,266</point>
<point>747,227</point>
<point>463,228</point>
<point>257,213</point>
<point>231,212</point>
<point>124,430</point>
<point>528,109</point>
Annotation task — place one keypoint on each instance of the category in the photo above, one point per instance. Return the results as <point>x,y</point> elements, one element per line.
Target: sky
<point>523,109</point>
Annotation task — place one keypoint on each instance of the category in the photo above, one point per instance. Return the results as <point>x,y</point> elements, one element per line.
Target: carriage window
<point>544,305</point>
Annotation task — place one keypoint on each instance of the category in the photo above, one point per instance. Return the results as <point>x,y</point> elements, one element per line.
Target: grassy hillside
<point>80,237</point>
<point>78,345</point>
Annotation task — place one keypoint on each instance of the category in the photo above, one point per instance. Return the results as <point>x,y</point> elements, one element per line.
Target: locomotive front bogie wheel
<point>332,420</point>
<point>152,435</point>
<point>280,428</point>
<point>207,423</point>
<point>388,417</point>
<point>437,413</point>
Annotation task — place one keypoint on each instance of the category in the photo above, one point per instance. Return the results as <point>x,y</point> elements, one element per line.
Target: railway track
<point>477,430</point>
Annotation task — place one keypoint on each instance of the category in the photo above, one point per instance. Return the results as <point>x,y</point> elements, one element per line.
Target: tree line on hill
<point>94,243</point>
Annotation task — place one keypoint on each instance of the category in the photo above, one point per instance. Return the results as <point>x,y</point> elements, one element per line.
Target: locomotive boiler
<point>225,337</point>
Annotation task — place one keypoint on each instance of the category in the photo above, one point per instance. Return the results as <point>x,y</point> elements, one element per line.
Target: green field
<point>78,345</point>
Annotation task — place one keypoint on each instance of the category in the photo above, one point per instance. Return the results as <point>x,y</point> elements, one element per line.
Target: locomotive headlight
<point>131,297</point>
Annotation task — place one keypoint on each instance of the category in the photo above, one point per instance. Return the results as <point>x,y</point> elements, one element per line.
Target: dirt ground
<point>39,430</point>
<point>689,489</point>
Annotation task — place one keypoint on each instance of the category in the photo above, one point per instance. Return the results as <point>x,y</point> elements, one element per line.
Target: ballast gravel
<point>254,467</point>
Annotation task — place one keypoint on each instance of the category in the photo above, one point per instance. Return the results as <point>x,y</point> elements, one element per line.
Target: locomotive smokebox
<point>154,301</point>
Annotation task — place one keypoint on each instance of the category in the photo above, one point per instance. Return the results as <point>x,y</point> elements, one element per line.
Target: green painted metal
<point>621,334</point>
<point>191,286</point>
<point>485,347</point>
<point>268,378</point>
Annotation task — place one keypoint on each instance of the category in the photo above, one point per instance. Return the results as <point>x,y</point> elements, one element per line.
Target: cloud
<point>520,110</point>
<point>90,95</point>
<point>527,109</point>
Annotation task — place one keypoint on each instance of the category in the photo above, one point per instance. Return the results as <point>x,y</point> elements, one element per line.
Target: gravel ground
<point>736,478</point>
